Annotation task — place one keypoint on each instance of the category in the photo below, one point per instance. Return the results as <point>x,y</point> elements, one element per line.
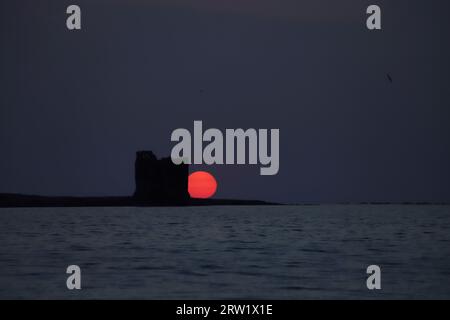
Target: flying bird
<point>389,77</point>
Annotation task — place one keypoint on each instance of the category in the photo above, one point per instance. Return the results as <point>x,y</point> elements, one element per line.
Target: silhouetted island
<point>159,182</point>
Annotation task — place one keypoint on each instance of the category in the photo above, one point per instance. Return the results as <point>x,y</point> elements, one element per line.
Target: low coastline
<point>10,200</point>
<point>22,201</point>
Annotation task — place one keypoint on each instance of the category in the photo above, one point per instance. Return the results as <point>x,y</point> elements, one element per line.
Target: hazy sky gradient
<point>75,106</point>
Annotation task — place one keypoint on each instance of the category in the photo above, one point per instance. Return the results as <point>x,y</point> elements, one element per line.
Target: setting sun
<point>201,185</point>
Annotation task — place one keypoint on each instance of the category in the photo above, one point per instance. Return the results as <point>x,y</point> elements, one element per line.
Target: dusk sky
<point>77,105</point>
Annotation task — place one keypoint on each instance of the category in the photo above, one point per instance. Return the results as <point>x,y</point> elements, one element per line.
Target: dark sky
<point>75,106</point>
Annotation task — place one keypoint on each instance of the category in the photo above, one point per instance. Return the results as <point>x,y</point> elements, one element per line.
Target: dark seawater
<point>226,252</point>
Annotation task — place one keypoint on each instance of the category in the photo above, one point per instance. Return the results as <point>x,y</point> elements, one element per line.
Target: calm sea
<point>290,252</point>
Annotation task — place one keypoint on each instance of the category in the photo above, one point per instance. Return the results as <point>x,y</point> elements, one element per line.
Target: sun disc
<point>201,185</point>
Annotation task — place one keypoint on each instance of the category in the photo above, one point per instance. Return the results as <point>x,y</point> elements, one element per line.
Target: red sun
<point>201,185</point>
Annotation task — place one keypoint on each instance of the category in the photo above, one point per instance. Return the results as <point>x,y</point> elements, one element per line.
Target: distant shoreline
<point>23,201</point>
<point>27,201</point>
<point>402,203</point>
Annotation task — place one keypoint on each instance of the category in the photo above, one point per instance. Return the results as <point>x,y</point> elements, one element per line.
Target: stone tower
<point>160,181</point>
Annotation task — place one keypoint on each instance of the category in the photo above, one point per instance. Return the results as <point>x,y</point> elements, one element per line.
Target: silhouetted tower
<point>160,181</point>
